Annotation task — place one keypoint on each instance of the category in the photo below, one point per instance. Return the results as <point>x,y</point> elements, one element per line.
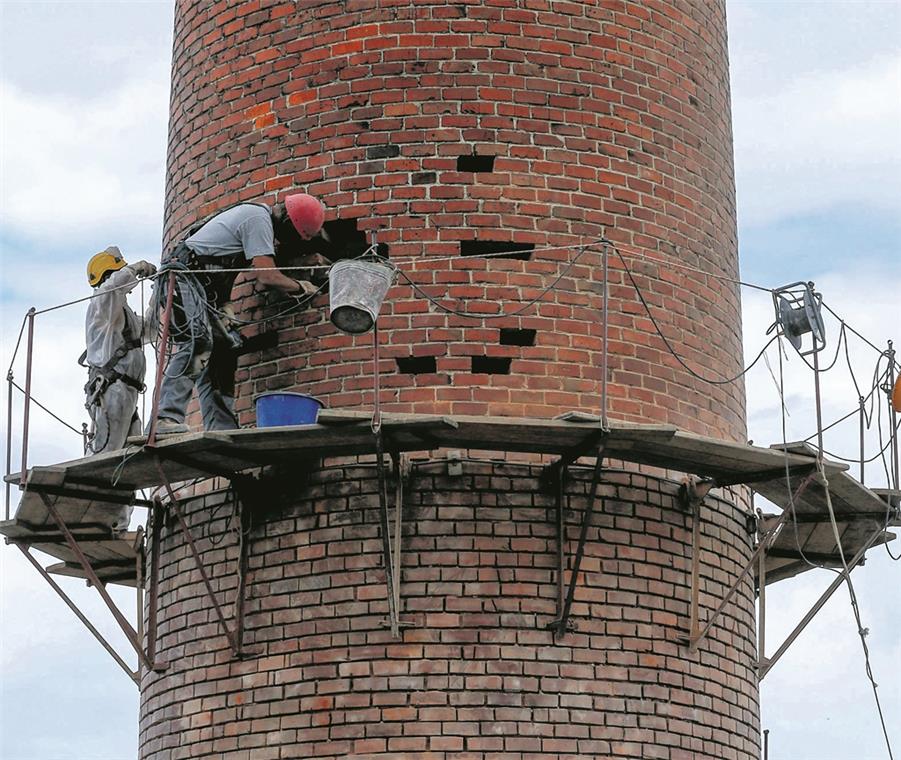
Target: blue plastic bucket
<point>279,408</point>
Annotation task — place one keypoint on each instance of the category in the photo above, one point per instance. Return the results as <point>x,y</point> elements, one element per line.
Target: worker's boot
<point>165,426</point>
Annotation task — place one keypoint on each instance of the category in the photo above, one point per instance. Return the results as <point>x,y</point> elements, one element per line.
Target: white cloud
<point>73,168</point>
<point>822,140</point>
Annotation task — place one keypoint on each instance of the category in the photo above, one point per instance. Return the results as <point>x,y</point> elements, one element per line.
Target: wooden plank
<point>120,573</point>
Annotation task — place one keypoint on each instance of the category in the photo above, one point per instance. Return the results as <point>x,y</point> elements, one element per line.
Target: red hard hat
<point>306,213</point>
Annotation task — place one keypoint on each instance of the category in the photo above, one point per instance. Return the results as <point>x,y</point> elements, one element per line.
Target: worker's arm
<point>266,274</point>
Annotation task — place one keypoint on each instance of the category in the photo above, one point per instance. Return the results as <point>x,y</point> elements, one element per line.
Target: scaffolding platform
<point>89,492</point>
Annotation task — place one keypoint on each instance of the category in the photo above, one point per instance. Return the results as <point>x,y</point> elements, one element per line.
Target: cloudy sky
<point>817,109</point>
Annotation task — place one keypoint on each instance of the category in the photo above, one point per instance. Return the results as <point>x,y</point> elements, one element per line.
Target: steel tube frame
<point>9,436</point>
<point>761,606</point>
<point>189,538</point>
<point>162,358</point>
<point>79,614</point>
<point>156,518</point>
<point>398,527</point>
<point>767,662</point>
<point>604,425</point>
<point>386,538</point>
<point>561,540</point>
<point>563,621</point>
<point>695,638</point>
<point>29,357</point>
<point>694,602</point>
<point>126,627</point>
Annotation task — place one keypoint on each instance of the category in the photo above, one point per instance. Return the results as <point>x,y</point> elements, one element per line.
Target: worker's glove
<point>306,289</point>
<point>143,269</point>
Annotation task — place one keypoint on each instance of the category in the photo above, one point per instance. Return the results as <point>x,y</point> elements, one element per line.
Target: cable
<point>669,346</point>
<point>469,315</point>
<point>39,404</point>
<point>869,343</point>
<point>861,631</point>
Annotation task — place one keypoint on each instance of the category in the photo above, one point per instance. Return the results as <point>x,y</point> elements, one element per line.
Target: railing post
<point>9,435</point>
<point>606,336</point>
<point>23,474</point>
<point>162,357</point>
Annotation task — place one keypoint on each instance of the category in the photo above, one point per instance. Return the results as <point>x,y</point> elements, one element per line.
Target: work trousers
<point>202,354</point>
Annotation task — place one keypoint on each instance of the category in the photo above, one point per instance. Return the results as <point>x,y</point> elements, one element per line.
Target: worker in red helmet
<point>246,235</point>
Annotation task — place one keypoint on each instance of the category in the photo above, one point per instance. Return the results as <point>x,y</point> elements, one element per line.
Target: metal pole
<point>129,632</point>
<point>839,579</point>
<point>606,335</point>
<point>561,538</point>
<point>819,405</point>
<point>139,587</point>
<point>386,539</point>
<point>84,437</point>
<point>694,616</point>
<point>766,744</point>
<point>156,536</point>
<point>398,527</point>
<point>23,474</point>
<point>162,358</point>
<point>9,435</point>
<point>761,615</point>
<point>862,426</point>
<point>78,613</point>
<point>894,416</point>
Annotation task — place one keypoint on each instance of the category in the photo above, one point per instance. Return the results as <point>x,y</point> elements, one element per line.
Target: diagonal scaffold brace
<point>562,623</point>
<point>145,658</point>
<point>231,636</point>
<point>696,636</point>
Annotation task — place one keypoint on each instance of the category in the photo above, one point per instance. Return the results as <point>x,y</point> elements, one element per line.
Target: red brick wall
<point>476,676</point>
<point>603,116</point>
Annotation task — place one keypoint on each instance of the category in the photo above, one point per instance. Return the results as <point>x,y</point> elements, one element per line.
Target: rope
<point>39,404</point>
<point>647,308</point>
<point>469,315</point>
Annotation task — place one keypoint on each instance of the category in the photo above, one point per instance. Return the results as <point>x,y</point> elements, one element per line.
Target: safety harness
<point>107,374</point>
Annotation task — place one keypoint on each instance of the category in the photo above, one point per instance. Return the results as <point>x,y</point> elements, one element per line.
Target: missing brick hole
<point>491,365</point>
<point>475,163</point>
<point>260,342</point>
<point>416,365</point>
<point>513,336</point>
<point>497,249</point>
<point>345,241</point>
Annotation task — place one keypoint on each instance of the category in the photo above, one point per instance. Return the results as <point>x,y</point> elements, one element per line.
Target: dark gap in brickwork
<point>260,342</point>
<point>475,163</point>
<point>345,241</point>
<point>424,178</point>
<point>497,249</point>
<point>513,336</point>
<point>416,365</point>
<point>491,365</point>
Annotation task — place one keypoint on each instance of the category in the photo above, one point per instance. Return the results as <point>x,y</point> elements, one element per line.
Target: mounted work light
<point>357,288</point>
<point>798,312</point>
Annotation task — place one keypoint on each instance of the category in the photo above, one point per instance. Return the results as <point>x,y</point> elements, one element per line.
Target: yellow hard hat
<point>106,261</point>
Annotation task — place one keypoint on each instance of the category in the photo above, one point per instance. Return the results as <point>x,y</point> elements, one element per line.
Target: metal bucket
<point>279,408</point>
<point>357,288</point>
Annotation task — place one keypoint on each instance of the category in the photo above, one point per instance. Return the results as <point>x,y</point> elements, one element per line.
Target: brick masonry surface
<point>455,128</point>
<point>599,115</point>
<point>476,675</point>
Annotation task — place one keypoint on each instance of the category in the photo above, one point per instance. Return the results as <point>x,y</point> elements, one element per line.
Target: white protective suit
<point>114,410</point>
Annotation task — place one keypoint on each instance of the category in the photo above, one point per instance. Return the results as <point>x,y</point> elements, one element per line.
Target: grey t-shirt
<point>244,229</point>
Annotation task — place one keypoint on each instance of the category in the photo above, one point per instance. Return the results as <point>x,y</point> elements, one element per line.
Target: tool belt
<point>217,286</point>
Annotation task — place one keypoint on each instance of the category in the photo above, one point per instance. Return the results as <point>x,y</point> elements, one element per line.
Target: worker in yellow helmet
<point>114,335</point>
